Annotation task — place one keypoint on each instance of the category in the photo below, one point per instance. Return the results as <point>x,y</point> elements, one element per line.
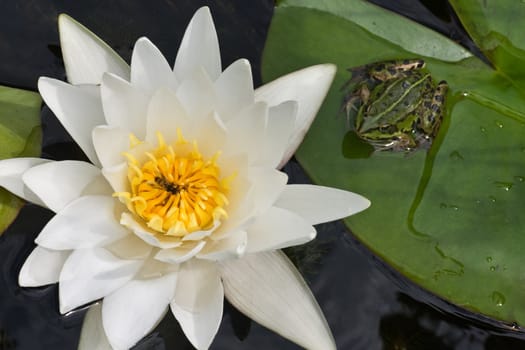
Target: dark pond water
<point>368,306</point>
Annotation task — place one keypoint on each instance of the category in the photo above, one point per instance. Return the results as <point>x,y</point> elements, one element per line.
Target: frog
<point>397,104</point>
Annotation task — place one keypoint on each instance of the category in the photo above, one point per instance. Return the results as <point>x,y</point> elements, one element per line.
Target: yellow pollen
<point>176,190</point>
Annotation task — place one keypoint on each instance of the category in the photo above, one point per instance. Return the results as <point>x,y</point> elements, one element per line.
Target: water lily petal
<point>246,131</point>
<point>251,196</point>
<point>149,69</point>
<point>130,247</point>
<point>269,289</point>
<point>231,246</point>
<point>99,186</point>
<point>198,302</point>
<point>308,87</point>
<point>11,171</point>
<point>59,183</point>
<point>154,269</point>
<point>90,274</point>
<point>86,56</point>
<point>278,228</point>
<point>242,204</point>
<point>147,235</point>
<point>234,89</point>
<point>268,185</point>
<point>199,47</point>
<point>124,105</point>
<point>180,254</point>
<point>133,310</point>
<point>92,335</point>
<point>253,193</point>
<point>42,267</point>
<point>87,222</point>
<point>211,133</point>
<point>318,204</point>
<point>117,177</point>
<point>109,143</point>
<point>165,115</point>
<point>197,95</point>
<point>77,107</point>
<point>281,121</point>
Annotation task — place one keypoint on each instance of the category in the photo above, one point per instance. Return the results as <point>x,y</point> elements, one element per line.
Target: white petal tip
<point>330,203</point>
<point>44,83</point>
<point>143,40</point>
<point>244,62</point>
<point>64,20</point>
<point>359,203</point>
<point>327,70</point>
<point>64,309</point>
<point>25,281</point>
<point>204,10</point>
<point>85,55</point>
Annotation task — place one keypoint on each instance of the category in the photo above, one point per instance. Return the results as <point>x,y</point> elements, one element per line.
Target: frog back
<point>394,100</point>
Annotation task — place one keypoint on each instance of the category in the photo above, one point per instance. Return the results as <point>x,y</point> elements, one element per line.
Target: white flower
<point>183,203</point>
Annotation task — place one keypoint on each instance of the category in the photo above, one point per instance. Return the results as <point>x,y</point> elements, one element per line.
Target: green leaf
<point>20,136</point>
<point>451,219</point>
<point>495,27</point>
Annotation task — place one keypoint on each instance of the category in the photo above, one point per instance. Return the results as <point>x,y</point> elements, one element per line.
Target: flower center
<point>176,190</point>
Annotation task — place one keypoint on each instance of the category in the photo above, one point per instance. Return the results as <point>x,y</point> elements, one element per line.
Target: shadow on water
<point>367,305</point>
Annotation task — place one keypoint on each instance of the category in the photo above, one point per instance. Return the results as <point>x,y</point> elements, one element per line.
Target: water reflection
<point>30,317</point>
<point>5,342</point>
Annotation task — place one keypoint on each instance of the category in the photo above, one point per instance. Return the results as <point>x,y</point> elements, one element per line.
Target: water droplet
<point>443,205</point>
<point>456,155</point>
<point>492,199</point>
<point>498,298</point>
<point>504,185</point>
<point>519,178</point>
<point>489,259</point>
<point>493,268</point>
<point>453,207</point>
<point>499,124</point>
<point>483,130</point>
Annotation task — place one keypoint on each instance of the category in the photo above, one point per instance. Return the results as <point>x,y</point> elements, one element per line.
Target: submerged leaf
<point>20,136</point>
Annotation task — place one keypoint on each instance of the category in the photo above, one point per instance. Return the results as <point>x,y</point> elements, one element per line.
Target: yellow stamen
<point>175,190</point>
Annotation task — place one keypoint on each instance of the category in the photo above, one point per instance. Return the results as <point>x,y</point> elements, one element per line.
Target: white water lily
<point>182,203</point>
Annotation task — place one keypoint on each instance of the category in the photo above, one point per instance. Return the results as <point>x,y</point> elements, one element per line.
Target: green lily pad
<point>20,136</point>
<point>450,218</point>
<point>494,26</point>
